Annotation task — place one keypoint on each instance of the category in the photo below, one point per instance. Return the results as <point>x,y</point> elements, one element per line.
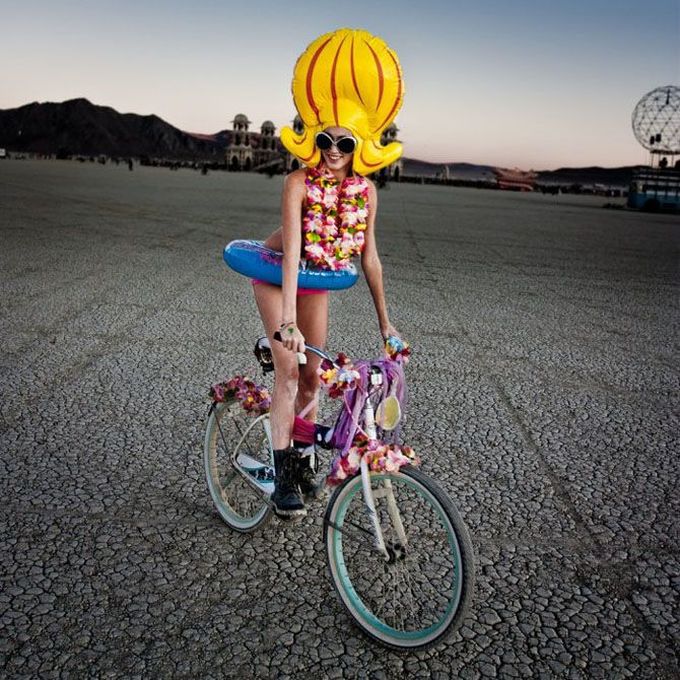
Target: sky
<point>537,84</point>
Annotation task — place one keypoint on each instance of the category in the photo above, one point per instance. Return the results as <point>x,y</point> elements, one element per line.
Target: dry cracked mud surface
<point>544,395</point>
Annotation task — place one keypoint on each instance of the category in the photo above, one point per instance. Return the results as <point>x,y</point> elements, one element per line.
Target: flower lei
<point>254,398</point>
<point>334,220</point>
<point>380,457</point>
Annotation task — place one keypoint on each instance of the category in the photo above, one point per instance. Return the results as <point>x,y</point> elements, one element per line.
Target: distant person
<point>130,166</point>
<point>328,217</point>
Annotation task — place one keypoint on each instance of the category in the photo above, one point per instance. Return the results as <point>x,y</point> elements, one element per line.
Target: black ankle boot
<point>307,467</point>
<point>286,497</point>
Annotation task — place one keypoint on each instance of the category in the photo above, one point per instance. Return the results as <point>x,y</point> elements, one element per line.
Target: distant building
<point>239,152</point>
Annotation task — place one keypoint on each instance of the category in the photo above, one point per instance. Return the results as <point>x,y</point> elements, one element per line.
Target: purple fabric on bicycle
<point>348,424</point>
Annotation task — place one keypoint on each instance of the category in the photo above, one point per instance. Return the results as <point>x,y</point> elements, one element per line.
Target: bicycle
<point>397,549</point>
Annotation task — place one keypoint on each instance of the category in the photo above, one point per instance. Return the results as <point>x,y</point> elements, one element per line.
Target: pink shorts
<point>300,291</point>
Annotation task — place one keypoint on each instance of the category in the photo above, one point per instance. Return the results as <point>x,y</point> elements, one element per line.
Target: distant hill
<point>78,127</point>
<point>414,166</point>
<point>619,177</point>
<point>615,177</point>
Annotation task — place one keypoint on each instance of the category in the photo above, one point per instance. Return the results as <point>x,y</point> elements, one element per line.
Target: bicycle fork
<point>386,492</point>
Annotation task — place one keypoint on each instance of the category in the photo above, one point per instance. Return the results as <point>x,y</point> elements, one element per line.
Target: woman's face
<point>333,157</point>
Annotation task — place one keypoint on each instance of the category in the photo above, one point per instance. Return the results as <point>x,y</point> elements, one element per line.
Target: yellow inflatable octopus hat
<point>352,79</point>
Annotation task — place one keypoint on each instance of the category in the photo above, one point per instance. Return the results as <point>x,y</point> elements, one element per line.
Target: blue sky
<point>534,84</point>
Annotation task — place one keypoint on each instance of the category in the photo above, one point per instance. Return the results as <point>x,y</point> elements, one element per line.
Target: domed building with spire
<point>248,150</point>
<point>239,152</point>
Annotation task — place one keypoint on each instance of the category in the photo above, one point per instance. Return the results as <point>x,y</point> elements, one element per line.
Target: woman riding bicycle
<point>347,88</point>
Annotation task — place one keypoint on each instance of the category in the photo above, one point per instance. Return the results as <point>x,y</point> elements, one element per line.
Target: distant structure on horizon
<point>251,151</point>
<point>515,179</point>
<point>263,151</point>
<point>656,125</point>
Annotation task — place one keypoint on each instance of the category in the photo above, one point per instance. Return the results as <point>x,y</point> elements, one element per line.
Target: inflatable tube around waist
<point>253,259</point>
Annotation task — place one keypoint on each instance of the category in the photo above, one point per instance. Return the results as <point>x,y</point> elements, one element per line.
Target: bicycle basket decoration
<point>380,457</point>
<point>349,381</point>
<point>397,349</point>
<point>254,398</point>
<point>338,377</point>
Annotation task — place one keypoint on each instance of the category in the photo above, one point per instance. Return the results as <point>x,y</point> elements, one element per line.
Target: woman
<point>328,217</point>
<point>301,315</point>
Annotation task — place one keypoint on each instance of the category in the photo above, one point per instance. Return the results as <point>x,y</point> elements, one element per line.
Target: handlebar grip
<point>301,356</point>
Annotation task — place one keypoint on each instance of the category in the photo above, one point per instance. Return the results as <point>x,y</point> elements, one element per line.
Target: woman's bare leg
<point>282,412</point>
<point>312,320</point>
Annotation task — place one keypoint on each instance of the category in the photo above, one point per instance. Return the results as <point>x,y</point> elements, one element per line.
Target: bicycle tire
<point>373,590</point>
<point>231,431</point>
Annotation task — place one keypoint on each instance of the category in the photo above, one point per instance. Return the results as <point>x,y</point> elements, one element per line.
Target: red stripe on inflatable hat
<point>365,162</point>
<point>310,73</point>
<point>334,91</point>
<point>398,97</point>
<point>381,81</point>
<point>304,159</point>
<point>354,75</point>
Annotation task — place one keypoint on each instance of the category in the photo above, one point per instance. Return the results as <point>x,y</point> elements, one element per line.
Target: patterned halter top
<point>333,219</point>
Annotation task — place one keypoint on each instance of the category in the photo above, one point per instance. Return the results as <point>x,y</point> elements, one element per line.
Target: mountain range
<point>78,127</point>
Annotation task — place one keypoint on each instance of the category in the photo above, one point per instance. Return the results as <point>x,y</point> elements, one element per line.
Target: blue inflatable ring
<point>253,259</point>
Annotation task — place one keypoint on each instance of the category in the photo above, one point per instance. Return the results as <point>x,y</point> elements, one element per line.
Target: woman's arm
<point>291,238</point>
<point>370,263</point>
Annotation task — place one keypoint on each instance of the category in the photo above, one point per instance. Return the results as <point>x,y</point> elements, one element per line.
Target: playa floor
<point>544,397</point>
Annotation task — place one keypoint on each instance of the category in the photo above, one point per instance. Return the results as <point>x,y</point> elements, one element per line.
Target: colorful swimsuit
<point>334,219</point>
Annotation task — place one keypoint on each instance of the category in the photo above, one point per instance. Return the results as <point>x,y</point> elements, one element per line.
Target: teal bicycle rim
<point>454,587</point>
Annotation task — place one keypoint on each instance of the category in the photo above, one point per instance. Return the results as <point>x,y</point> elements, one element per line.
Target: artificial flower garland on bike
<point>335,220</point>
<point>253,398</point>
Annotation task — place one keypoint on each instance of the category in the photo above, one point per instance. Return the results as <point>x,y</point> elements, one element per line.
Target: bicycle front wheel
<point>240,494</point>
<point>421,592</point>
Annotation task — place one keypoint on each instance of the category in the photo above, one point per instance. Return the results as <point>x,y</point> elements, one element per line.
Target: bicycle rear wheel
<point>422,593</point>
<point>241,502</point>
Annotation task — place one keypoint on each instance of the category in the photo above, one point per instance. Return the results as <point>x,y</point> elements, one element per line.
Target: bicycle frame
<point>369,494</point>
<point>260,478</point>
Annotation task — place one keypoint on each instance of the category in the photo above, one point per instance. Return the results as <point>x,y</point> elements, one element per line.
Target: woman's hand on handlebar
<point>390,332</point>
<point>291,338</point>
